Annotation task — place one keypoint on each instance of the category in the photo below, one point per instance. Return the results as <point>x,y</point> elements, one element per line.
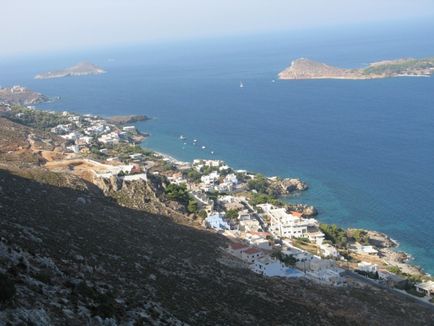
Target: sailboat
<point>241,84</point>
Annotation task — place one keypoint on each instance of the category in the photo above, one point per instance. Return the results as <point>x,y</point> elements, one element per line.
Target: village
<point>266,234</point>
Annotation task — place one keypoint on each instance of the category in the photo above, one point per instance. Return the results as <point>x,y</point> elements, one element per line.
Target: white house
<point>251,254</point>
<point>316,237</point>
<point>268,266</point>
<point>210,178</point>
<point>249,225</point>
<point>215,221</point>
<point>367,267</point>
<point>426,287</point>
<point>236,248</point>
<point>231,178</point>
<point>261,243</point>
<point>328,250</point>
<point>327,276</point>
<point>73,148</point>
<point>129,129</point>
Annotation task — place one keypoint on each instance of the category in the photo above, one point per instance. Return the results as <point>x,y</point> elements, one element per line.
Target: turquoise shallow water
<point>365,147</point>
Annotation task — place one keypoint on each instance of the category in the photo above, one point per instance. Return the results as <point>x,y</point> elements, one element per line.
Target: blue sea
<point>366,148</point>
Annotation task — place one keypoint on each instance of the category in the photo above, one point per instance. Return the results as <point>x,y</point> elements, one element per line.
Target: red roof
<point>252,251</point>
<point>296,214</point>
<point>237,245</point>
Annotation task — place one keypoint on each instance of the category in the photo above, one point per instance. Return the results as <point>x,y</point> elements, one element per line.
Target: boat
<point>241,84</point>
<point>182,137</point>
<point>212,152</point>
<point>203,147</point>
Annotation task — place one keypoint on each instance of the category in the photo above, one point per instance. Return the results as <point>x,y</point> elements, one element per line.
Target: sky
<point>38,26</point>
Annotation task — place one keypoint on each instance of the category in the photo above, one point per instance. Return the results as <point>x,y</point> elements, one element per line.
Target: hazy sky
<point>50,25</point>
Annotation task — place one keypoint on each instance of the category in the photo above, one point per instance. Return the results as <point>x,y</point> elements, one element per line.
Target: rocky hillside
<point>70,255</point>
<point>21,96</point>
<point>308,69</point>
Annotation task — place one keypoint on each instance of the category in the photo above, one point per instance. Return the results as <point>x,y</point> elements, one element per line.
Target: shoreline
<point>390,255</point>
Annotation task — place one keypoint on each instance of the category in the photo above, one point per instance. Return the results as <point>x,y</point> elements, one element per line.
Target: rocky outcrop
<point>291,185</point>
<point>307,210</point>
<point>124,119</point>
<point>19,95</point>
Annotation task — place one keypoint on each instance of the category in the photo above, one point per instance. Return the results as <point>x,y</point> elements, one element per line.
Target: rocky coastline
<point>124,119</point>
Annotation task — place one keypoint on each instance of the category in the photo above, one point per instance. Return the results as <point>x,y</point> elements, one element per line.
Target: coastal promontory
<point>124,119</point>
<point>407,67</point>
<point>80,69</point>
<point>19,95</point>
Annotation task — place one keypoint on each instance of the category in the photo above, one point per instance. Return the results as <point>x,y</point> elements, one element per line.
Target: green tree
<point>178,193</point>
<point>259,183</point>
<point>192,206</point>
<point>231,214</point>
<point>203,214</point>
<point>193,175</point>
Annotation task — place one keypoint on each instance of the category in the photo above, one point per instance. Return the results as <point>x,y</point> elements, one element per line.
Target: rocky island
<point>80,69</point>
<point>19,95</point>
<point>408,67</point>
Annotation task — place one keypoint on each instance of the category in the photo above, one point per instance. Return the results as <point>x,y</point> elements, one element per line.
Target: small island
<point>407,67</point>
<point>19,95</point>
<point>80,69</point>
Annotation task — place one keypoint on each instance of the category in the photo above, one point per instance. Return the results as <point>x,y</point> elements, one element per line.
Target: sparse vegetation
<point>37,119</point>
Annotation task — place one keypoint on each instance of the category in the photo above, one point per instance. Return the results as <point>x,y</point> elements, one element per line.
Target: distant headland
<point>19,95</point>
<point>406,67</point>
<point>80,69</point>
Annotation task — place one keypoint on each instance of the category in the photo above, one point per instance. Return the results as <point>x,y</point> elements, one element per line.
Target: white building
<point>367,267</point>
<point>249,225</point>
<point>328,250</point>
<point>129,129</point>
<point>250,255</point>
<point>210,178</point>
<point>427,288</point>
<point>327,276</point>
<point>283,224</point>
<point>135,177</point>
<point>361,249</point>
<point>268,266</point>
<point>73,148</point>
<point>236,248</point>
